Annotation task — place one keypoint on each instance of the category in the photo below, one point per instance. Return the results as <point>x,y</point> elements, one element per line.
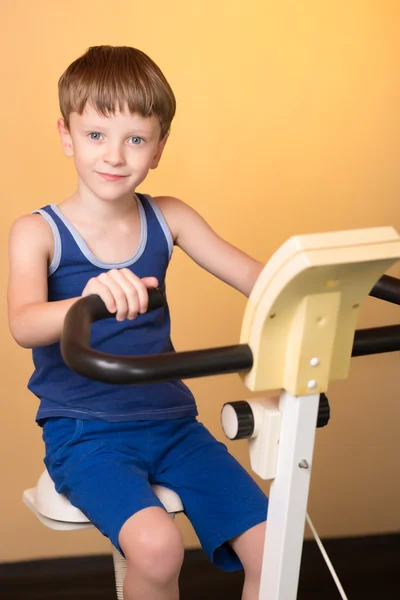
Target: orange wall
<point>287,123</point>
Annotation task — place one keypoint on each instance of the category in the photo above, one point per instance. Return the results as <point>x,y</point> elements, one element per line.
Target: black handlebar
<point>387,288</point>
<point>86,361</point>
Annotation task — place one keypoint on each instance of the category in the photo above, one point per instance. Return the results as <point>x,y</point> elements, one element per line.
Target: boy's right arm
<point>33,320</point>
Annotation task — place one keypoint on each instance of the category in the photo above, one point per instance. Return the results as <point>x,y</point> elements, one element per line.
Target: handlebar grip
<point>156,298</point>
<point>99,310</point>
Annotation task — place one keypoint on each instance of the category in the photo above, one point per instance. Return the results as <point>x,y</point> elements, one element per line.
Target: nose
<point>114,155</point>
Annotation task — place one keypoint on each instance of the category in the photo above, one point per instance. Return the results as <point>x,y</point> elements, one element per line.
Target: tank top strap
<point>155,217</point>
<point>57,227</point>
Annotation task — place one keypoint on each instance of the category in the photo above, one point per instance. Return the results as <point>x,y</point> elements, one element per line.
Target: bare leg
<point>153,547</point>
<point>249,546</point>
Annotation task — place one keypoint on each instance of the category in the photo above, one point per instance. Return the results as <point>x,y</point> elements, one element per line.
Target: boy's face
<point>112,154</point>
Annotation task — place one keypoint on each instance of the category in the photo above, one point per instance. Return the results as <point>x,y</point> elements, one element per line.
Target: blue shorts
<point>107,469</point>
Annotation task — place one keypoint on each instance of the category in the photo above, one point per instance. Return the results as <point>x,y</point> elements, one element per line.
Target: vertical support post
<point>288,498</point>
<point>120,572</point>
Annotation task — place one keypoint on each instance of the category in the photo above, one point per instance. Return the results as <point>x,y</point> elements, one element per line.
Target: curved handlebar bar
<point>109,368</point>
<point>80,357</point>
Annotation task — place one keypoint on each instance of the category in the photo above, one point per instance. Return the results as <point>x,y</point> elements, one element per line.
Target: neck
<point>102,210</point>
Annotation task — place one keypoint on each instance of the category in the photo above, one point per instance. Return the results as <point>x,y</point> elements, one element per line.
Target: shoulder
<point>170,204</point>
<point>32,230</point>
<point>175,212</point>
<point>32,224</point>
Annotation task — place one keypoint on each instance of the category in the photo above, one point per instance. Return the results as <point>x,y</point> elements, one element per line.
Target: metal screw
<point>312,384</point>
<point>303,464</point>
<point>314,362</point>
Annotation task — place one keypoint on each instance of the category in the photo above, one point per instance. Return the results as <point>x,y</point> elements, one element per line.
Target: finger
<point>150,281</point>
<point>130,285</point>
<point>97,287</point>
<point>118,293</point>
<point>141,290</point>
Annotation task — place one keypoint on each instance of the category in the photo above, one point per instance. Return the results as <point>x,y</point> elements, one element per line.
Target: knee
<point>158,553</point>
<point>153,549</point>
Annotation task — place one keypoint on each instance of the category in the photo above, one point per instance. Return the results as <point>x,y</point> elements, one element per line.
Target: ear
<point>158,154</point>
<point>65,136</point>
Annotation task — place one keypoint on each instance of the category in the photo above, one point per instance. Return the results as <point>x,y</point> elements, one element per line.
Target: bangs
<point>115,79</point>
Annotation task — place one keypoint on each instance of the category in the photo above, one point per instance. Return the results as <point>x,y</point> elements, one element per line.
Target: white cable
<point>326,557</point>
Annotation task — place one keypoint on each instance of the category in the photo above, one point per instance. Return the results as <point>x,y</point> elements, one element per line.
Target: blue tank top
<point>63,392</point>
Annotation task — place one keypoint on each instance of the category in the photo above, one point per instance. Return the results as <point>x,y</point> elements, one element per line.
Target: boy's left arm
<point>199,241</point>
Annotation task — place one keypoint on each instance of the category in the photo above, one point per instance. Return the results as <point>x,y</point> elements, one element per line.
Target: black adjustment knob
<point>237,420</point>
<point>324,411</point>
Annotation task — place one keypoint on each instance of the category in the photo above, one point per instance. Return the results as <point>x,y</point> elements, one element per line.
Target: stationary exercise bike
<point>298,334</point>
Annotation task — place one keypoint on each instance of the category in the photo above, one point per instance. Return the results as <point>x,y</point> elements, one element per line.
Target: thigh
<point>99,475</point>
<point>220,498</point>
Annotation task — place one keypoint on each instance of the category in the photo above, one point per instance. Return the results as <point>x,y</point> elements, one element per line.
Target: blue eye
<point>94,135</point>
<point>136,140</point>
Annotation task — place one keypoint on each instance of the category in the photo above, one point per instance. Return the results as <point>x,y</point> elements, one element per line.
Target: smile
<point>110,177</point>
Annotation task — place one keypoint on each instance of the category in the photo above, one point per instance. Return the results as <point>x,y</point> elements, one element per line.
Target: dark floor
<point>369,569</point>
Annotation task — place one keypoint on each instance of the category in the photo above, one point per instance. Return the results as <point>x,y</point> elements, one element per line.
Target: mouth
<point>111,177</point>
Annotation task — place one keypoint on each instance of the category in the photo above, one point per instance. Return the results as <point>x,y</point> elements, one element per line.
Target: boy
<point>107,444</point>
